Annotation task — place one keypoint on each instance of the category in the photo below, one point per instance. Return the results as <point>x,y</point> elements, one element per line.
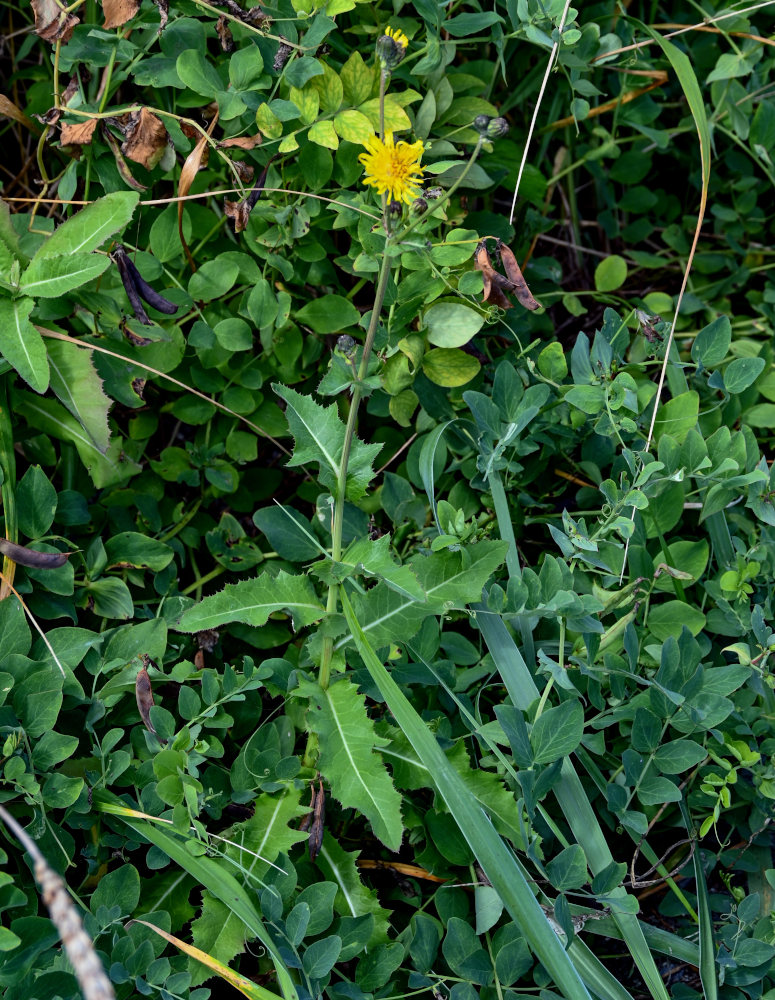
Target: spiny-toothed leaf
<point>91,226</point>
<point>497,801</point>
<point>356,774</point>
<point>20,343</point>
<point>75,381</point>
<point>219,932</point>
<point>353,898</point>
<point>374,558</point>
<point>319,435</point>
<point>252,601</point>
<point>269,831</point>
<point>449,579</point>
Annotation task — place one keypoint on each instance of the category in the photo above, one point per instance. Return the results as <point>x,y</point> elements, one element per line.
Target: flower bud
<point>491,128</point>
<point>391,48</point>
<point>395,210</point>
<point>433,193</point>
<point>419,205</point>
<point>345,345</point>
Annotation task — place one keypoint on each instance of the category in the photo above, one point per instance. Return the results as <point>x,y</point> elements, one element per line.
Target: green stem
<point>199,583</point>
<point>341,483</point>
<point>8,488</point>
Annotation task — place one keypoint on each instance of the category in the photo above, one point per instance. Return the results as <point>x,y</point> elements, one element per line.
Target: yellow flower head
<point>393,168</point>
<point>398,36</point>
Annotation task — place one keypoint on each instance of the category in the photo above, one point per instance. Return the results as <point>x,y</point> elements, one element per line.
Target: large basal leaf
<point>78,386</point>
<point>357,776</point>
<point>272,829</point>
<point>449,579</point>
<point>319,435</point>
<point>252,601</point>
<point>373,558</point>
<point>52,418</point>
<point>89,228</point>
<point>20,343</point>
<point>49,277</point>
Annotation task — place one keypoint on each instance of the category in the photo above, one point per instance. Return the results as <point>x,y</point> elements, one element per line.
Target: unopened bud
<point>491,128</point>
<point>419,205</point>
<point>345,345</point>
<point>395,210</point>
<point>391,48</point>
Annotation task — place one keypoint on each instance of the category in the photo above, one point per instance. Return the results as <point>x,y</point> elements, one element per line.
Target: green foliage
<point>378,633</point>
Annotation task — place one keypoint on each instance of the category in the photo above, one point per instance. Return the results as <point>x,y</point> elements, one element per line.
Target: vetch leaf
<point>741,373</point>
<point>610,273</point>
<point>329,314</point>
<point>252,601</point>
<point>557,732</point>
<point>711,344</point>
<point>451,324</point>
<point>355,772</point>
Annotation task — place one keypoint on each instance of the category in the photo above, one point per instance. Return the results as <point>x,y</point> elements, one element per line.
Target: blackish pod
<point>32,559</point>
<point>122,261</point>
<point>130,275</point>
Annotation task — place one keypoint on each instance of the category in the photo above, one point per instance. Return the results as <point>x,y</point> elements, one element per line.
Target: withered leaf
<point>188,172</point>
<point>164,13</point>
<point>144,696</point>
<point>51,22</point>
<point>70,91</point>
<point>245,171</point>
<point>78,133</point>
<point>240,211</point>
<point>242,141</point>
<point>496,285</point>
<point>225,36</point>
<point>146,138</point>
<point>118,12</point>
<point>514,274</point>
<point>134,338</point>
<point>32,559</point>
<point>317,827</point>
<point>491,279</point>
<point>121,163</point>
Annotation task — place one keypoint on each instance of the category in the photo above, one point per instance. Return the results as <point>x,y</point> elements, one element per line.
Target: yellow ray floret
<point>398,36</point>
<point>393,168</point>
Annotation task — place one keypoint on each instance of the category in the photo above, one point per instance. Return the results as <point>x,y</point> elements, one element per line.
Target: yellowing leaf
<point>307,100</point>
<point>330,89</point>
<point>323,134</point>
<point>269,124</point>
<point>358,80</point>
<point>288,144</point>
<point>449,367</point>
<point>396,119</point>
<point>353,126</point>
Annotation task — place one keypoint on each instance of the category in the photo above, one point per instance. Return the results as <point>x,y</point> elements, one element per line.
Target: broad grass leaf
<point>356,774</point>
<point>252,601</point>
<point>91,226</point>
<point>319,435</point>
<point>20,343</point>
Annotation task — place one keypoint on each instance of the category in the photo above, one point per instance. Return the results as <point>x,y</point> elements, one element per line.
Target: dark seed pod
<point>144,696</point>
<point>32,559</point>
<point>122,261</point>
<point>151,296</point>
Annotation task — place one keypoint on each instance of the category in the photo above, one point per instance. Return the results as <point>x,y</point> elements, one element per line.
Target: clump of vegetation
<point>386,404</point>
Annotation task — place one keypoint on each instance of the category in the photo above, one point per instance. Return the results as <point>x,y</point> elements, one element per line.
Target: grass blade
<point>708,974</point>
<point>569,792</point>
<point>209,874</point>
<point>498,863</point>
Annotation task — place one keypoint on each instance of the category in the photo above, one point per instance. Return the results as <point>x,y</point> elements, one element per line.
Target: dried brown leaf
<point>118,12</point>
<point>146,138</point>
<point>9,109</point>
<point>317,827</point>
<point>241,142</point>
<point>514,274</point>
<point>244,170</point>
<point>70,91</point>
<point>238,212</point>
<point>79,133</point>
<point>144,696</point>
<point>164,13</point>
<point>121,163</point>
<point>188,172</point>
<point>52,24</point>
<point>225,36</point>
